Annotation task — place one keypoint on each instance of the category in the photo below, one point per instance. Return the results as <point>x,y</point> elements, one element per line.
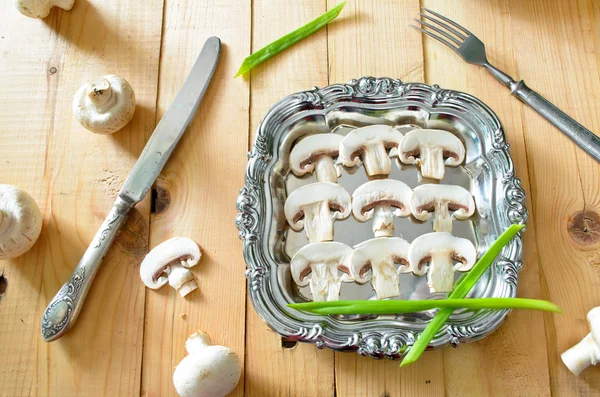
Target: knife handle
<point>64,308</point>
<point>583,137</point>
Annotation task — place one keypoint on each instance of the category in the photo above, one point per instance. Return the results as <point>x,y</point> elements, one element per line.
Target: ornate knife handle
<point>578,133</point>
<point>64,308</point>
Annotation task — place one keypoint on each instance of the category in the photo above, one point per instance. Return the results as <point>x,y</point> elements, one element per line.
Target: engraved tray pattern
<point>498,193</point>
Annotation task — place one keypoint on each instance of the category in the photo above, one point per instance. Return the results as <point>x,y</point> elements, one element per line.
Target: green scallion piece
<point>289,39</point>
<point>459,292</point>
<point>411,306</point>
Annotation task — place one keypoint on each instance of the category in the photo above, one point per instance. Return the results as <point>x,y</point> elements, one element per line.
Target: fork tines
<point>445,27</point>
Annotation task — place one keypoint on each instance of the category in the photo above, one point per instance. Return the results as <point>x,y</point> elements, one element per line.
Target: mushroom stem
<point>442,222</point>
<point>181,279</point>
<point>385,279</point>
<point>64,4</point>
<point>582,355</point>
<point>197,341</point>
<point>100,94</point>
<point>383,221</point>
<point>326,170</point>
<point>325,283</point>
<point>440,276</point>
<point>431,161</point>
<point>376,159</point>
<point>5,222</point>
<point>318,222</point>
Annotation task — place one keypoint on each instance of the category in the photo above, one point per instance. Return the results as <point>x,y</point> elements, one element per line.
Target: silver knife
<point>63,310</point>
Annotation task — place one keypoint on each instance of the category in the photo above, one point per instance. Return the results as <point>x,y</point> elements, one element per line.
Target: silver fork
<point>472,50</point>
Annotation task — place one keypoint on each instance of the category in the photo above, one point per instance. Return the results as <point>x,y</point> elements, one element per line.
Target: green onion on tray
<point>289,39</point>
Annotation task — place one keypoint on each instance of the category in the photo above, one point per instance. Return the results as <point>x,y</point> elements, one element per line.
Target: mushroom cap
<point>208,371</point>
<point>337,197</point>
<point>326,252</point>
<point>410,148</point>
<point>458,198</point>
<point>23,224</point>
<point>354,143</point>
<point>177,250</point>
<point>108,117</point>
<point>309,149</point>
<point>422,248</point>
<point>41,8</point>
<point>593,318</point>
<point>380,192</point>
<point>377,250</point>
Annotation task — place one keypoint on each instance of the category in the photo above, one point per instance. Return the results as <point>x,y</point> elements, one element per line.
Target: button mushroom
<point>587,351</point>
<point>41,8</point>
<point>430,150</point>
<point>372,144</point>
<point>316,153</point>
<point>441,199</point>
<point>310,206</point>
<point>440,250</point>
<point>207,370</point>
<point>104,105</point>
<point>381,256</point>
<point>172,257</point>
<point>322,261</point>
<point>20,222</point>
<point>381,199</point>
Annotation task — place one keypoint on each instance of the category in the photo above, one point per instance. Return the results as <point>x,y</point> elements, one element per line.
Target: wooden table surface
<point>128,339</point>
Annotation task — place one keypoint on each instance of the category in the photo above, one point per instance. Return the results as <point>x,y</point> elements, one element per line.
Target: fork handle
<point>578,133</point>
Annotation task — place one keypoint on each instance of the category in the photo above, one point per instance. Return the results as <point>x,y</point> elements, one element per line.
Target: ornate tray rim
<point>391,342</point>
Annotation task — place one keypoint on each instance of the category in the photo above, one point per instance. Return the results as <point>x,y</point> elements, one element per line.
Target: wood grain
<point>203,177</point>
<point>272,370</point>
<point>72,172</point>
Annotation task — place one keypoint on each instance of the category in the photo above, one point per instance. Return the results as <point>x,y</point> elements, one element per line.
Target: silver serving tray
<point>268,242</point>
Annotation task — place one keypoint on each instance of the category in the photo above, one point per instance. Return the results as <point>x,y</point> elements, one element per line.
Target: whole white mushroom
<point>41,8</point>
<point>20,222</point>
<point>207,371</point>
<point>104,105</point>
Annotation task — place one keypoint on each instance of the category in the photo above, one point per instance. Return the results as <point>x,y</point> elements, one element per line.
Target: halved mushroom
<point>381,199</point>
<point>372,144</point>
<point>587,351</point>
<point>430,150</point>
<point>322,261</point>
<point>436,253</point>
<point>441,199</point>
<point>316,153</point>
<point>310,206</point>
<point>381,256</point>
<point>171,257</point>
<point>41,8</point>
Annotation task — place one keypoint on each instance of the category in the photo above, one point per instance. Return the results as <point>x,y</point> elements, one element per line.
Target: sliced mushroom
<point>20,222</point>
<point>430,150</point>
<point>436,253</point>
<point>380,256</point>
<point>310,206</point>
<point>316,153</point>
<point>104,105</point>
<point>173,258</point>
<point>441,200</point>
<point>381,199</point>
<point>41,8</point>
<point>322,261</point>
<point>371,144</point>
<point>587,351</point>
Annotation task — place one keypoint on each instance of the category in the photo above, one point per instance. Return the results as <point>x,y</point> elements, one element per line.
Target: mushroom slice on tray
<point>322,261</point>
<point>380,256</point>
<point>372,144</point>
<point>436,253</point>
<point>431,150</point>
<point>315,153</point>
<point>441,200</point>
<point>381,199</point>
<point>310,207</point>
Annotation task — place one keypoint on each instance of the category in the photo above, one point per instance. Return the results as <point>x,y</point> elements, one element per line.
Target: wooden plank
<point>512,361</point>
<point>198,190</point>
<point>559,61</point>
<point>74,175</point>
<point>272,370</point>
<point>373,38</point>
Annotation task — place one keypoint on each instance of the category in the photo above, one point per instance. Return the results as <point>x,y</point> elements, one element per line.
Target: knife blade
<point>63,310</point>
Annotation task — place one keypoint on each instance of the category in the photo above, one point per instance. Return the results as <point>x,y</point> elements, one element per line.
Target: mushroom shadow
<point>134,136</point>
